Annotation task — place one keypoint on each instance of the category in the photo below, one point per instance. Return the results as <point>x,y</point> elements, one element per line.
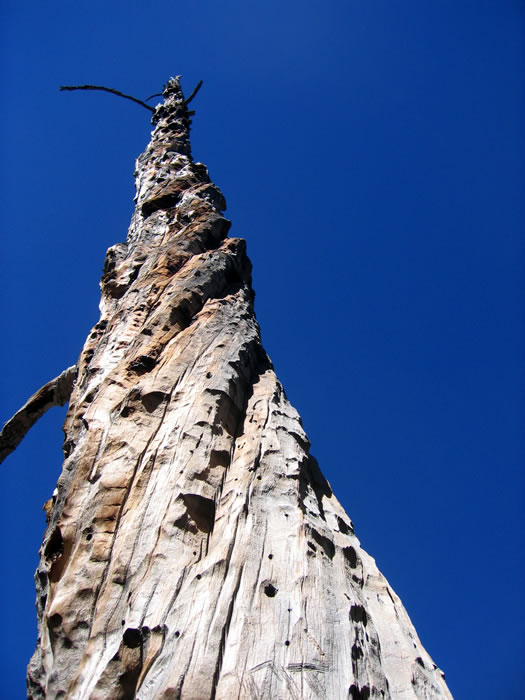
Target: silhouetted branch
<point>105,89</point>
<point>197,88</point>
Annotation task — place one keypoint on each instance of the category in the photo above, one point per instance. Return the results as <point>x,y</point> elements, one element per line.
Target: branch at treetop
<point>106,89</point>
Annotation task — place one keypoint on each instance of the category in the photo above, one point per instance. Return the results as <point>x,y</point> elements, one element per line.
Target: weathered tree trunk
<point>194,549</point>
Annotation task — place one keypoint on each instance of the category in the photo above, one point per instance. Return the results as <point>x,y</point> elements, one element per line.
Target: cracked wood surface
<point>194,549</point>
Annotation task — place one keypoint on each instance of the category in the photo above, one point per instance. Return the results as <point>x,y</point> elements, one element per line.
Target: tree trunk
<point>194,549</point>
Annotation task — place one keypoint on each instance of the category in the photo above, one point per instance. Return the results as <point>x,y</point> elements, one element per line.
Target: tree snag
<point>194,548</point>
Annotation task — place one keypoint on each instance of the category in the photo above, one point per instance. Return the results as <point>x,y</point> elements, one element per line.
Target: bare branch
<point>105,89</point>
<point>54,393</point>
<point>196,90</point>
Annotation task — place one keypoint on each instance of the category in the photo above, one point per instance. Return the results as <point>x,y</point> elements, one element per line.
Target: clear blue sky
<point>371,153</point>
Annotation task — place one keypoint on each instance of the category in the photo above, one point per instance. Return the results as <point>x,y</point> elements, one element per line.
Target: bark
<point>194,549</point>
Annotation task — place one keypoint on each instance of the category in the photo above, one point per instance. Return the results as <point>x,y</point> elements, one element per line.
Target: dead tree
<point>194,549</point>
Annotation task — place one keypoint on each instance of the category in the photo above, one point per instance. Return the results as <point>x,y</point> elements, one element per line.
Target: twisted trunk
<point>194,549</point>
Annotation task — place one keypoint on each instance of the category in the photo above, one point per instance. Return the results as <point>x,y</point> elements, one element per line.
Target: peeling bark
<point>194,549</point>
<point>54,393</point>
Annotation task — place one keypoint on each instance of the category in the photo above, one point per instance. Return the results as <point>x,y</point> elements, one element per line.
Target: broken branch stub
<point>54,393</point>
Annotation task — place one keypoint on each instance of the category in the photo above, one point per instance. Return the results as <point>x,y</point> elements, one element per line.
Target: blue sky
<point>371,153</point>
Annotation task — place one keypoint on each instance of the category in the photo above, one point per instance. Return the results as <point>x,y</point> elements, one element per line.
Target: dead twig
<point>106,89</point>
<point>196,90</point>
<point>54,393</point>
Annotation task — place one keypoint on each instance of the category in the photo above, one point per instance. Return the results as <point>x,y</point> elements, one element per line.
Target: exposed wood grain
<point>194,548</point>
<point>54,393</point>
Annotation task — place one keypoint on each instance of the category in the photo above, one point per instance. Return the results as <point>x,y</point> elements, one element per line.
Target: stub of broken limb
<point>54,393</point>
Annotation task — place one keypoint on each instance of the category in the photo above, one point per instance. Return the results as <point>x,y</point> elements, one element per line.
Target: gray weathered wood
<point>194,549</point>
<point>54,393</point>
